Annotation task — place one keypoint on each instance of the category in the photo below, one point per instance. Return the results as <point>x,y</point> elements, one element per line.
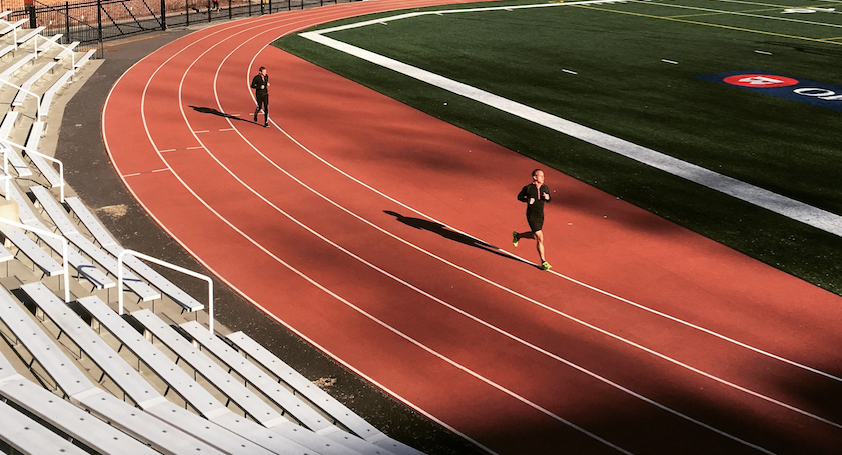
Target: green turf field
<point>629,69</point>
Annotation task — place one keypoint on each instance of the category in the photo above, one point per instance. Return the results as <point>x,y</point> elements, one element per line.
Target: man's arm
<point>523,196</point>
<point>545,193</point>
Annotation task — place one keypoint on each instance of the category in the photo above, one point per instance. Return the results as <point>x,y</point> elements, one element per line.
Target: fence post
<point>187,11</point>
<point>163,14</point>
<point>209,11</point>
<point>229,9</point>
<point>67,22</point>
<point>270,6</point>
<point>99,19</point>
<point>30,7</point>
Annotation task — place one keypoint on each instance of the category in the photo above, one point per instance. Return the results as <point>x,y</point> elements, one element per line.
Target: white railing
<point>64,247</point>
<point>165,264</point>
<point>11,144</point>
<point>37,98</point>
<point>72,56</point>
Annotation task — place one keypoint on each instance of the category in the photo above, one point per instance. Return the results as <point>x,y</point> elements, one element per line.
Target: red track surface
<point>665,344</point>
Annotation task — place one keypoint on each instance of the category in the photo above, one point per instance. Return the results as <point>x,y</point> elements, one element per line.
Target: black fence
<point>90,22</point>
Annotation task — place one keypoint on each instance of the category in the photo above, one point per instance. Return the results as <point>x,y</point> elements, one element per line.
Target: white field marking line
<point>760,197</point>
<point>573,280</point>
<point>336,296</point>
<point>715,378</point>
<point>767,4</point>
<point>256,303</point>
<point>432,297</point>
<point>763,52</point>
<point>671,62</point>
<point>458,11</point>
<point>735,13</point>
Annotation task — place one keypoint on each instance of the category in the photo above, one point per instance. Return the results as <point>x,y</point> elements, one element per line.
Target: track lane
<point>428,242</point>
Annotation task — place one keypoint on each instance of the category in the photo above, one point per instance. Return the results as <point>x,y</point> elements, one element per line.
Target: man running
<point>535,195</point>
<point>260,84</point>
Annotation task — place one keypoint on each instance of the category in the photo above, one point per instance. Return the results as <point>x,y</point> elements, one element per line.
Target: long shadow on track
<point>442,230</point>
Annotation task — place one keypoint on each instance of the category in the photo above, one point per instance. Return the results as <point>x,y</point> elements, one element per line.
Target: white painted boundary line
<point>736,13</point>
<point>796,210</point>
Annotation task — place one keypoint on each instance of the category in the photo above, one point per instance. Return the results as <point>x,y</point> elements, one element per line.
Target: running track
<point>345,222</point>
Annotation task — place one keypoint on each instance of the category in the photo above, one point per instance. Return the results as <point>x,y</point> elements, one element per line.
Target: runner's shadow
<point>210,110</point>
<point>443,231</point>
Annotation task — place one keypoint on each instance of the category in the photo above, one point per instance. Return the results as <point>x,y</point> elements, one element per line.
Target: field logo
<point>760,80</point>
<point>801,90</point>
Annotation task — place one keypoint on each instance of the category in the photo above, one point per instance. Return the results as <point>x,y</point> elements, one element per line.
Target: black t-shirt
<point>260,81</point>
<point>534,200</point>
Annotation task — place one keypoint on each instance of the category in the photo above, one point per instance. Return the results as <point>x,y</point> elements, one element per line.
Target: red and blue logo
<point>801,90</point>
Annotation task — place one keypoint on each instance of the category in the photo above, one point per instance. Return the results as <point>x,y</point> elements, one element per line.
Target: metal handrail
<point>29,150</point>
<point>37,98</point>
<point>165,264</point>
<point>64,253</point>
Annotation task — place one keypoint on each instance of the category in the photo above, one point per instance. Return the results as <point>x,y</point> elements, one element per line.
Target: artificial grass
<point>624,88</point>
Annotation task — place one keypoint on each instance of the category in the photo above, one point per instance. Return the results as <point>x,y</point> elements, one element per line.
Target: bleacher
<point>76,376</point>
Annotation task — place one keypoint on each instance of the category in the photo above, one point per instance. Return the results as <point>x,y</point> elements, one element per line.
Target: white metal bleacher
<point>27,85</point>
<point>139,267</point>
<point>80,390</point>
<point>47,99</point>
<point>29,437</point>
<point>15,67</point>
<point>129,380</point>
<point>9,27</point>
<point>87,56</point>
<point>14,157</point>
<point>43,165</point>
<point>186,387</point>
<point>277,392</point>
<point>47,42</point>
<point>95,277</point>
<point>30,249</point>
<point>29,35</point>
<point>66,51</point>
<point>332,407</point>
<point>59,217</point>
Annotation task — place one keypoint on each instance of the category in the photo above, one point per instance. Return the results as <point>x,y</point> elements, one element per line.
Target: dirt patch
<point>325,383</point>
<point>113,211</point>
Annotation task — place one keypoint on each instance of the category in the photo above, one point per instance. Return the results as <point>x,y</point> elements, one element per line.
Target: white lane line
<point>476,319</point>
<point>573,280</point>
<point>197,139</point>
<point>760,197</point>
<point>326,290</point>
<point>208,266</point>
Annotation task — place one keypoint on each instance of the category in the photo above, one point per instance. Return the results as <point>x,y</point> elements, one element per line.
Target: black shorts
<point>536,221</point>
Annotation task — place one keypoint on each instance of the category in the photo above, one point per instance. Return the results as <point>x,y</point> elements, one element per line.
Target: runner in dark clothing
<point>535,195</point>
<point>260,84</point>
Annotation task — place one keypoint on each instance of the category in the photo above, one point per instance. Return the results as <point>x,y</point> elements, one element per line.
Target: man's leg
<point>539,236</point>
<point>266,111</point>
